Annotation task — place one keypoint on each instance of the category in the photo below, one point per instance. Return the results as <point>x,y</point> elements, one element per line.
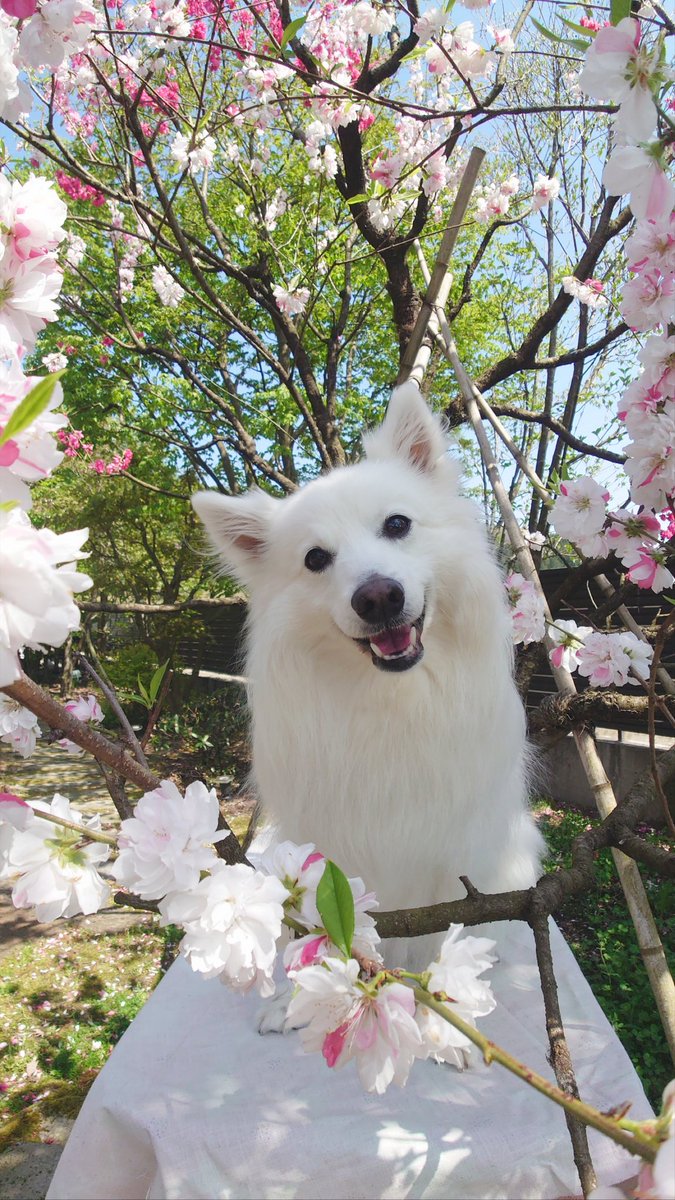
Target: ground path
<point>26,1168</point>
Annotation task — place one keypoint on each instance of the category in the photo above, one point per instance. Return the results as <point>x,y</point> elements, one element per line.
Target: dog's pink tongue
<point>393,641</point>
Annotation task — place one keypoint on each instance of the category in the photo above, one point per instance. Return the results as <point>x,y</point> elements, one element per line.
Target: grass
<point>601,934</point>
<point>65,1000</point>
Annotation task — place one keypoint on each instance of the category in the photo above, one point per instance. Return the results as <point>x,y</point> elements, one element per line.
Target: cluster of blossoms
<point>605,659</point>
<point>349,1005</point>
<point>76,447</point>
<point>38,574</point>
<point>622,65</point>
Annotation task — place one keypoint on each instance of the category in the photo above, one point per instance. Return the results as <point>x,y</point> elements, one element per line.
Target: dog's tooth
<point>413,635</point>
<point>376,650</point>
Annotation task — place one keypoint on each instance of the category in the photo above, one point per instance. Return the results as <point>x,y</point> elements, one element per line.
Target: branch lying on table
<point>552,890</point>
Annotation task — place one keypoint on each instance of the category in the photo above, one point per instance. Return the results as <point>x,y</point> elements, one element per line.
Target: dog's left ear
<point>409,431</point>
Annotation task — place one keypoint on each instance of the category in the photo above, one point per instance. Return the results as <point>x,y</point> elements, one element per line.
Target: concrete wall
<point>562,777</point>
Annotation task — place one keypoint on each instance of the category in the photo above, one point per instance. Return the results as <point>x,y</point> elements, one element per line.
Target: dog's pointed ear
<point>238,527</point>
<point>410,431</point>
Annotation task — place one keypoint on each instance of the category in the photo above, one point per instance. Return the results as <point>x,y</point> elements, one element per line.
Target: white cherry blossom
<point>455,973</point>
<point>57,874</point>
<point>19,727</point>
<point>169,840</point>
<point>232,921</point>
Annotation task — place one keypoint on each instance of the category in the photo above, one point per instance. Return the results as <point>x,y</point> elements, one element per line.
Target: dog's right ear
<point>238,527</point>
<point>409,431</point>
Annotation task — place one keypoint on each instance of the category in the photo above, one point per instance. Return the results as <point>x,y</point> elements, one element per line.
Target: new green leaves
<point>335,903</point>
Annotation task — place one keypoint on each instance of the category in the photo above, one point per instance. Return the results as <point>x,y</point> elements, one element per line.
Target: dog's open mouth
<point>396,648</point>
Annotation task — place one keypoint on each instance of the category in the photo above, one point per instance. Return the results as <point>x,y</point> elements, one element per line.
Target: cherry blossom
<point>527,611</point>
<point>168,289</point>
<point>628,530</point>
<point>291,302</point>
<point>232,921</point>
<point>579,514</point>
<point>195,157</point>
<point>57,874</point>
<point>619,67</point>
<point>647,568</point>
<point>648,300</point>
<point>454,974</point>
<point>567,639</point>
<point>589,292</point>
<point>638,171</point>
<point>651,246</point>
<point>545,191</point>
<point>38,577</point>
<point>19,727</point>
<point>169,840</point>
<point>55,362</point>
<point>28,293</point>
<point>430,24</point>
<point>606,659</point>
<point>58,29</point>
<point>346,1019</point>
<point>33,453</point>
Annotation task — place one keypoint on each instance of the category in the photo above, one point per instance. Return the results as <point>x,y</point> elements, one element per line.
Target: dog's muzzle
<point>395,648</point>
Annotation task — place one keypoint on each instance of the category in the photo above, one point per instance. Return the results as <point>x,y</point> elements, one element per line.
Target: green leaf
<point>618,10</point>
<point>587,33</point>
<point>31,406</point>
<point>335,903</point>
<point>156,681</point>
<point>146,699</point>
<point>548,33</point>
<point>291,29</point>
<point>361,198</point>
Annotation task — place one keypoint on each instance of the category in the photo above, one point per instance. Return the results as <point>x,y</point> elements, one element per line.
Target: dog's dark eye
<point>396,526</point>
<point>317,559</point>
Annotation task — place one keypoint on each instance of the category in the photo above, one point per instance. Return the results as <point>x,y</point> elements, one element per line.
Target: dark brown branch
<point>111,754</point>
<point>521,414</point>
<point>592,707</point>
<point>559,1056</point>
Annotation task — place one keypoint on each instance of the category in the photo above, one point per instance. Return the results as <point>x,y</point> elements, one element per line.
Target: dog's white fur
<point>407,779</point>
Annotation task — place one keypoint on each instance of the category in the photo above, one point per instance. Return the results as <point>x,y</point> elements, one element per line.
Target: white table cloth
<point>194,1103</point>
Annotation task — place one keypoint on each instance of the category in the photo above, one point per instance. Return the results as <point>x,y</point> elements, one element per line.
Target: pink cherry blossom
<point>567,639</point>
<point>375,1025</point>
<point>646,568</point>
<point>589,292</point>
<point>648,301</point>
<point>545,191</point>
<point>619,67</point>
<point>291,302</point>
<point>637,171</point>
<point>527,612</point>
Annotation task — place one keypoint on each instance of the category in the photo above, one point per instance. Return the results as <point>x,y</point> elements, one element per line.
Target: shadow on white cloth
<point>195,1104</point>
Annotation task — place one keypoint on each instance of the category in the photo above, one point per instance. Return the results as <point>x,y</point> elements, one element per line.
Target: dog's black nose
<point>378,601</point>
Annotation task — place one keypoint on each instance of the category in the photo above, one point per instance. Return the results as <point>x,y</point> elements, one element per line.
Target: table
<point>194,1103</point>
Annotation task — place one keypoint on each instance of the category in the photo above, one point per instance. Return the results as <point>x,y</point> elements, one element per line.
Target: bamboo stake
<point>646,932</point>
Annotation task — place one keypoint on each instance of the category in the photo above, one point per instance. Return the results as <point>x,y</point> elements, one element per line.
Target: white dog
<point>386,725</point>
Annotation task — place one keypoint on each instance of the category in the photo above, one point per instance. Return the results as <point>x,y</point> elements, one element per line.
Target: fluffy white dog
<point>386,725</point>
